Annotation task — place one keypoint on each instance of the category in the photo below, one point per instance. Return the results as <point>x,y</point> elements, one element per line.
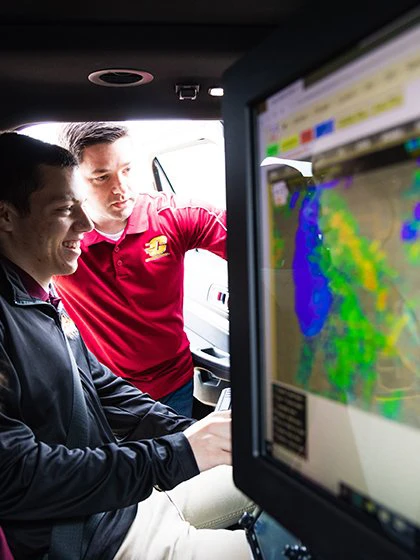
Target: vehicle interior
<point>130,62</point>
<point>158,61</point>
<point>134,62</point>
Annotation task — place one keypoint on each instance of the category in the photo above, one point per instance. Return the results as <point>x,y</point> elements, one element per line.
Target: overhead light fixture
<point>187,91</point>
<point>216,91</point>
<point>120,77</point>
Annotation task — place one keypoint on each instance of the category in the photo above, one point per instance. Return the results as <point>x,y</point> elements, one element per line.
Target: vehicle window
<point>185,157</point>
<point>161,179</point>
<point>195,170</point>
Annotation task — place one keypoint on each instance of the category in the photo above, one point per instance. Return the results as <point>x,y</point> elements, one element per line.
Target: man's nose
<point>120,185</point>
<point>84,223</point>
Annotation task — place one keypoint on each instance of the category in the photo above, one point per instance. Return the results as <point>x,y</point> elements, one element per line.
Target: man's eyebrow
<point>67,198</point>
<point>106,169</point>
<point>99,170</point>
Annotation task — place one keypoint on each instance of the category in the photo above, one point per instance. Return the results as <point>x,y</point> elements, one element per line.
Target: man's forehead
<point>59,182</point>
<point>100,156</point>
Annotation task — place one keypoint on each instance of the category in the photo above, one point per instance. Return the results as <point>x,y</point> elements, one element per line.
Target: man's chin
<point>67,269</point>
<point>124,211</point>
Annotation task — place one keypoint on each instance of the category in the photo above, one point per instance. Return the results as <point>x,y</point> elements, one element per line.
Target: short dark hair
<point>20,158</point>
<point>77,136</point>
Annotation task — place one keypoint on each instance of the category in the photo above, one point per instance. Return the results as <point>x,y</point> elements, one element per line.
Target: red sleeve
<point>203,226</point>
<point>5,553</point>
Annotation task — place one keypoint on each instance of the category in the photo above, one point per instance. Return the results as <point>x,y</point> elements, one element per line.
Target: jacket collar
<point>19,292</point>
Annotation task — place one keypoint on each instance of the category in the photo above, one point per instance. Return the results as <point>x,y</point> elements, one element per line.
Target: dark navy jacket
<point>41,480</point>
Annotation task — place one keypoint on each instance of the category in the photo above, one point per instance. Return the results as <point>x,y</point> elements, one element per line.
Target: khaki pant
<point>187,523</point>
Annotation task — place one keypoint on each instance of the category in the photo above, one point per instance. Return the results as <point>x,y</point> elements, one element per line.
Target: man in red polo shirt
<point>126,296</point>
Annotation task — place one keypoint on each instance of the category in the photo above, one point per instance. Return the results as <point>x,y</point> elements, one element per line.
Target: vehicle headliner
<point>47,50</point>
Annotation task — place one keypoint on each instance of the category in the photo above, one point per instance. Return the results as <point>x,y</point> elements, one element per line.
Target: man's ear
<point>7,213</point>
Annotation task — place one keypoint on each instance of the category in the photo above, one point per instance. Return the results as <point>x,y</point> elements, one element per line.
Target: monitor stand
<point>269,540</point>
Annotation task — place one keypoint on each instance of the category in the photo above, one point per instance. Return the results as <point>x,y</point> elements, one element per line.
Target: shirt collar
<point>138,222</point>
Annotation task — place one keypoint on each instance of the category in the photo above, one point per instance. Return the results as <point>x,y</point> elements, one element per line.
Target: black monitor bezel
<point>331,530</point>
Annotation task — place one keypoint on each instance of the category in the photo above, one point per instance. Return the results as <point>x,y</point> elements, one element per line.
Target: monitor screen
<point>337,182</point>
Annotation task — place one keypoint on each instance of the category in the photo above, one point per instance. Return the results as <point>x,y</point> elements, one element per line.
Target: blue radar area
<point>313,298</point>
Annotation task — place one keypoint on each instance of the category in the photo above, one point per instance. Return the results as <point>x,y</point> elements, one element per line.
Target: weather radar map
<point>346,262</point>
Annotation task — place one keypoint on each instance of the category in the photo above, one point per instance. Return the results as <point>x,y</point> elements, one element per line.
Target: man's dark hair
<point>75,137</point>
<point>20,160</point>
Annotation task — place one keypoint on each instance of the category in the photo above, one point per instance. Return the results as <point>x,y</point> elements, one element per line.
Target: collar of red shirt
<point>137,222</point>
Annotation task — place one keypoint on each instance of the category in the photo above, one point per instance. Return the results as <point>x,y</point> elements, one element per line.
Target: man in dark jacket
<point>80,447</point>
<point>5,553</point>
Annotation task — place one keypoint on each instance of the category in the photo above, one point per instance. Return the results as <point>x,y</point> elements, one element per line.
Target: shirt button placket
<point>118,262</point>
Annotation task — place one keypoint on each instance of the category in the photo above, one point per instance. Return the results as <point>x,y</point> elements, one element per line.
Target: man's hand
<point>211,440</point>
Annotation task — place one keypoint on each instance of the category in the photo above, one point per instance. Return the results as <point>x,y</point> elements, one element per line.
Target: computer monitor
<point>322,129</point>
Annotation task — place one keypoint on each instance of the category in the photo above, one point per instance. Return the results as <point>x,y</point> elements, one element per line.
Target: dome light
<point>216,91</point>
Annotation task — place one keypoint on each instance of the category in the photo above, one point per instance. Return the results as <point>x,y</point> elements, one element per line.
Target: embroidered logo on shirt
<point>156,248</point>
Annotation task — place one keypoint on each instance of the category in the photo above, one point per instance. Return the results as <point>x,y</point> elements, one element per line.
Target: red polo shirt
<point>126,297</point>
